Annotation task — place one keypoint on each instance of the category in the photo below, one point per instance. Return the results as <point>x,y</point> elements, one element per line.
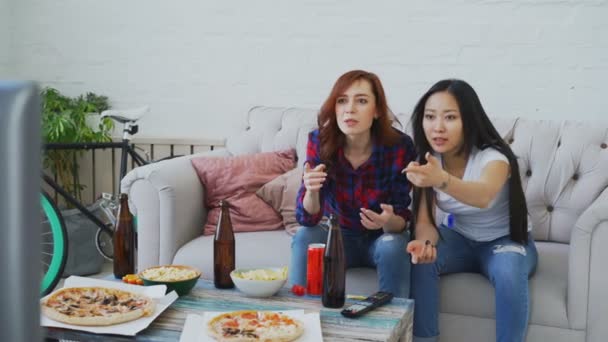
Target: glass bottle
<point>223,249</point>
<point>124,240</point>
<point>334,267</point>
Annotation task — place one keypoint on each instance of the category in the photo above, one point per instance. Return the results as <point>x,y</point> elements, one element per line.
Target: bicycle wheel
<point>54,244</point>
<point>104,244</point>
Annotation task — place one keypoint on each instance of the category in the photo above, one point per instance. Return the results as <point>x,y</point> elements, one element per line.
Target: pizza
<point>96,306</point>
<point>251,325</point>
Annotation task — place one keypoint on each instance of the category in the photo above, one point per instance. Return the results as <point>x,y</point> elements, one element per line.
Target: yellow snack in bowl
<point>169,273</point>
<point>263,274</point>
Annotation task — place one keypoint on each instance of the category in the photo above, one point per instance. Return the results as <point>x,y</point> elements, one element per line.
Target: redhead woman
<point>353,169</point>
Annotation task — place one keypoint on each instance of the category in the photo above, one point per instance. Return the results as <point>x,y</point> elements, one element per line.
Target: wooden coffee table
<point>391,322</point>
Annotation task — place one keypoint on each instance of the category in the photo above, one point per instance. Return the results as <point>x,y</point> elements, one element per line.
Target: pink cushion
<point>281,194</point>
<point>236,180</point>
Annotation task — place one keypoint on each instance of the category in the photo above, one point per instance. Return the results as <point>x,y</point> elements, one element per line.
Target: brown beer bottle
<point>223,249</point>
<point>334,267</point>
<point>124,240</point>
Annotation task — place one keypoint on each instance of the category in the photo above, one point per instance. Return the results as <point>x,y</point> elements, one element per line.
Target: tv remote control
<point>368,304</point>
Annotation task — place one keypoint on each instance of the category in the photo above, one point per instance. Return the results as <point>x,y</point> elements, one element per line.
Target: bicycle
<point>54,234</point>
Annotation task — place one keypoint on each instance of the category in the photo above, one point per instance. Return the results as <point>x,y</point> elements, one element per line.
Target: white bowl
<point>257,288</point>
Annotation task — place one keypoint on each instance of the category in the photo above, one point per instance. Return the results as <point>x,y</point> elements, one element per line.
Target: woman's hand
<point>372,220</point>
<point>314,178</point>
<point>430,174</point>
<point>422,251</point>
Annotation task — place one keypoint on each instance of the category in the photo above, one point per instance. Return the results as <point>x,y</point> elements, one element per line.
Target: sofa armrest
<point>587,276</point>
<point>168,200</point>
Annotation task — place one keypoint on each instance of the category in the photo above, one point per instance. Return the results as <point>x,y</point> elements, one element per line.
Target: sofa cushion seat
<point>548,289</point>
<point>264,249</point>
<point>547,286</point>
<point>253,249</point>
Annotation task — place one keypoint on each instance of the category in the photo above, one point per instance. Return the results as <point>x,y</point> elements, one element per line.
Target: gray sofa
<point>564,167</point>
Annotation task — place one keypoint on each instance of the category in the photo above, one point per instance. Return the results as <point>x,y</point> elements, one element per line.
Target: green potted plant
<point>71,120</point>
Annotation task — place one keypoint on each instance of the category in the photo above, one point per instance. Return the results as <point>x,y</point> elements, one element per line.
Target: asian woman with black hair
<point>467,170</point>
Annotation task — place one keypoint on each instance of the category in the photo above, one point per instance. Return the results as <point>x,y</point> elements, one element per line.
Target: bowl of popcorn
<point>178,278</point>
<point>259,282</point>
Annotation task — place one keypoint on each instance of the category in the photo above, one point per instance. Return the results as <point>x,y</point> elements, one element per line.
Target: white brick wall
<point>202,64</point>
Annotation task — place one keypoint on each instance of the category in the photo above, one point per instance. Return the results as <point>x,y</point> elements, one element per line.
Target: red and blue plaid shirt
<point>346,191</point>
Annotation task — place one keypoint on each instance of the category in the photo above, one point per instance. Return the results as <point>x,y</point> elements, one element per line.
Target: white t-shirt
<point>479,224</point>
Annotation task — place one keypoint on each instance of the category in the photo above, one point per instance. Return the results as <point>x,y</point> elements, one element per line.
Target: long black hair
<point>478,131</point>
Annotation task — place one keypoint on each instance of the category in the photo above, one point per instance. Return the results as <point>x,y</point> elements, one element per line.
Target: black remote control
<point>368,304</point>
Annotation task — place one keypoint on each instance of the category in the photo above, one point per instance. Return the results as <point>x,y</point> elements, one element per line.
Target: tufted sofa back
<point>564,168</point>
<point>563,165</point>
<point>273,129</point>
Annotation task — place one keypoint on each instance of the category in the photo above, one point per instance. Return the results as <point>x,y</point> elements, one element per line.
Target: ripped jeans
<point>506,264</point>
<point>385,252</point>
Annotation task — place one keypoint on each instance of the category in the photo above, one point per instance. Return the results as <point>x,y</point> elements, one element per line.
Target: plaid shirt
<point>346,191</point>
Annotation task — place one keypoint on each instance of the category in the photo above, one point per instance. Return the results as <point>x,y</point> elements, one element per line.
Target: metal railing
<point>98,170</point>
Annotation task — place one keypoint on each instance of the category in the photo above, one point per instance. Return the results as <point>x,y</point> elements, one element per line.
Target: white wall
<point>202,64</point>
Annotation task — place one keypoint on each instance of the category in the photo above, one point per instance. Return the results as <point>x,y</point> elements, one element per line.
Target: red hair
<point>330,136</point>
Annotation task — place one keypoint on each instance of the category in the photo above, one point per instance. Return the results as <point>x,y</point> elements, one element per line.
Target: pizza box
<point>195,328</point>
<point>131,328</point>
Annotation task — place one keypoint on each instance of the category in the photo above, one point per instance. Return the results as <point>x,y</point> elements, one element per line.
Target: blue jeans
<point>505,263</point>
<point>385,252</point>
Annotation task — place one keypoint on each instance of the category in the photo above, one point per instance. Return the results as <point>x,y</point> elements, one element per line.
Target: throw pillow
<point>281,194</point>
<point>236,180</point>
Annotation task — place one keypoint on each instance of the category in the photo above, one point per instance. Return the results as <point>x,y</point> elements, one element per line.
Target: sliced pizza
<point>96,306</point>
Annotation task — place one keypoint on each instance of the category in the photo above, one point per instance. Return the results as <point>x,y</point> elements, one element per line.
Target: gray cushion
<point>461,328</point>
<point>459,292</point>
<point>259,249</point>
<point>255,249</point>
<point>361,281</point>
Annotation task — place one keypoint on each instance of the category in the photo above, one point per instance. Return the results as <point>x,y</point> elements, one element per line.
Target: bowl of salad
<point>259,282</point>
<point>178,278</point>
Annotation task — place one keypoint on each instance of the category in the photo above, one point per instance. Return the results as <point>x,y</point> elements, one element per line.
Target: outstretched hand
<point>374,221</point>
<point>314,178</point>
<point>427,175</point>
<point>422,251</point>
